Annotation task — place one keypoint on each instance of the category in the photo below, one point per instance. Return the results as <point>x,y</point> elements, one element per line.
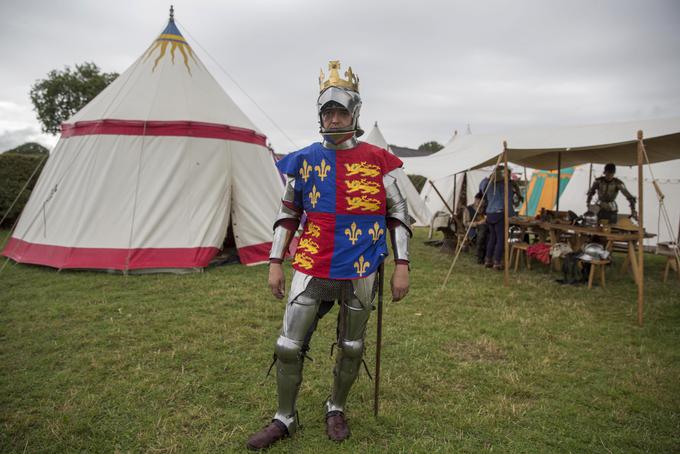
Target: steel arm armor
<point>631,198</point>
<point>397,217</point>
<point>287,222</point>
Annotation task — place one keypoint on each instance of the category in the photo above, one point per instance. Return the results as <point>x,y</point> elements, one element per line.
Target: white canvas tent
<point>416,207</point>
<point>151,173</point>
<point>449,187</point>
<point>625,144</point>
<point>537,148</point>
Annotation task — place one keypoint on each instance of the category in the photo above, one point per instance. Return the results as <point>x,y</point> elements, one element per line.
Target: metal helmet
<point>515,234</point>
<point>339,93</point>
<point>594,251</point>
<point>590,219</point>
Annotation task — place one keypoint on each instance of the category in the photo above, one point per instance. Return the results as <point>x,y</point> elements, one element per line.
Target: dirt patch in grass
<point>480,350</point>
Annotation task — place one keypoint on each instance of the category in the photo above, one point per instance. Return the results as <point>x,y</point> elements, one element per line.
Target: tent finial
<point>639,134</point>
<point>172,13</point>
<point>376,124</point>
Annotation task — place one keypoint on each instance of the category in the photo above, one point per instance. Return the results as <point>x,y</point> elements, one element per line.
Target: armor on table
<point>350,196</point>
<point>607,191</point>
<point>594,251</point>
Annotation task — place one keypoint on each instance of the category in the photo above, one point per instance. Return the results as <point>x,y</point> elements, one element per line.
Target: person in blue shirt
<point>495,207</point>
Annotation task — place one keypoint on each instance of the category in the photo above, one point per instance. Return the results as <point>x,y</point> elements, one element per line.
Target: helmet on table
<point>594,251</point>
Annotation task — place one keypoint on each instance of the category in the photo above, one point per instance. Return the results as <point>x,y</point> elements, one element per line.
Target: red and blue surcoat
<point>343,196</point>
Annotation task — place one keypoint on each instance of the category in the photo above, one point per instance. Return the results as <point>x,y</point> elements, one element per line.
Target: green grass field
<point>95,362</point>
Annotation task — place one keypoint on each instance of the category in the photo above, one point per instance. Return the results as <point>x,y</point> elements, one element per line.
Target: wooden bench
<point>594,264</point>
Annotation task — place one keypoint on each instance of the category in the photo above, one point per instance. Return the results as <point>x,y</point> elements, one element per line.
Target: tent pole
<point>441,197</point>
<point>590,176</point>
<point>467,232</point>
<point>506,220</point>
<point>455,186</point>
<point>559,180</point>
<point>641,230</point>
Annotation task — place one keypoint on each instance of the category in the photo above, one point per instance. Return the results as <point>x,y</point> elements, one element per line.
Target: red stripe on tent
<point>257,253</point>
<point>62,257</point>
<point>107,258</point>
<point>162,128</point>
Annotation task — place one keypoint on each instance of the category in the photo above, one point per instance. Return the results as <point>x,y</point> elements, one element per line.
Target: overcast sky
<point>426,68</point>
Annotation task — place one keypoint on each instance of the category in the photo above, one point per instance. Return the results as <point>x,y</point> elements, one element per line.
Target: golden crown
<point>334,79</point>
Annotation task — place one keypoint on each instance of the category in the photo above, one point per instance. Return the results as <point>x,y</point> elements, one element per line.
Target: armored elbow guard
<point>398,220</point>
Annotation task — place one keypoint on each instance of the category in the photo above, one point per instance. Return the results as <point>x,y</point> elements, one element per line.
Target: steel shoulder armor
<point>397,216</point>
<point>287,221</point>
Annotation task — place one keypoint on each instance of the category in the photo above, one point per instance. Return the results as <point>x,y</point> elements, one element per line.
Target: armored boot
<point>266,437</point>
<point>336,426</point>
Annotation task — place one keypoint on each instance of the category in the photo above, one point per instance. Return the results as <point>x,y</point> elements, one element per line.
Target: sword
<point>378,342</point>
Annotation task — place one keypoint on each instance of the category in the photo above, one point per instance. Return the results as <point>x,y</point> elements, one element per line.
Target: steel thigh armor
<point>299,322</point>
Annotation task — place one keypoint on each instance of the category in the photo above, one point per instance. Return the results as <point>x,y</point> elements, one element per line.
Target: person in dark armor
<point>607,188</point>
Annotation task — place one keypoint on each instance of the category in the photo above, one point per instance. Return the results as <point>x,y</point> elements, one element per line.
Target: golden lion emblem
<point>313,230</point>
<point>303,260</point>
<point>309,245</point>
<point>363,203</point>
<point>364,186</point>
<point>362,168</point>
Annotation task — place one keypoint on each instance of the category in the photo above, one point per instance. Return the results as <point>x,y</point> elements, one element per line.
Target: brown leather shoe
<point>267,436</point>
<point>336,426</point>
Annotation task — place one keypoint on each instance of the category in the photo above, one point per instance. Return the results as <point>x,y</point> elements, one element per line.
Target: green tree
<point>418,181</point>
<point>63,93</point>
<point>16,170</point>
<point>431,146</point>
<point>29,148</point>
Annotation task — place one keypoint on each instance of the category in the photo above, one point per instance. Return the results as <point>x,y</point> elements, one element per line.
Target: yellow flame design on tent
<point>171,37</point>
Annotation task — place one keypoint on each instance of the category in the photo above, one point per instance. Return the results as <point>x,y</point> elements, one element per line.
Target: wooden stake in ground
<point>641,230</point>
<point>378,341</point>
<point>467,232</point>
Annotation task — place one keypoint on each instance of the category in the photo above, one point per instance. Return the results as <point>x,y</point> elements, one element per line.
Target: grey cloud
<point>426,68</point>
<point>14,138</point>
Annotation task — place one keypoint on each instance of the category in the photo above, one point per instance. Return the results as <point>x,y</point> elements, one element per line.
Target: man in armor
<point>348,191</point>
<point>607,188</point>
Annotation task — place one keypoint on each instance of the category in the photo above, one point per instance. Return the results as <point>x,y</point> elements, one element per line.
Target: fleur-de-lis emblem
<point>322,169</point>
<point>305,170</point>
<point>376,232</point>
<point>353,233</point>
<point>314,196</point>
<point>361,266</point>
